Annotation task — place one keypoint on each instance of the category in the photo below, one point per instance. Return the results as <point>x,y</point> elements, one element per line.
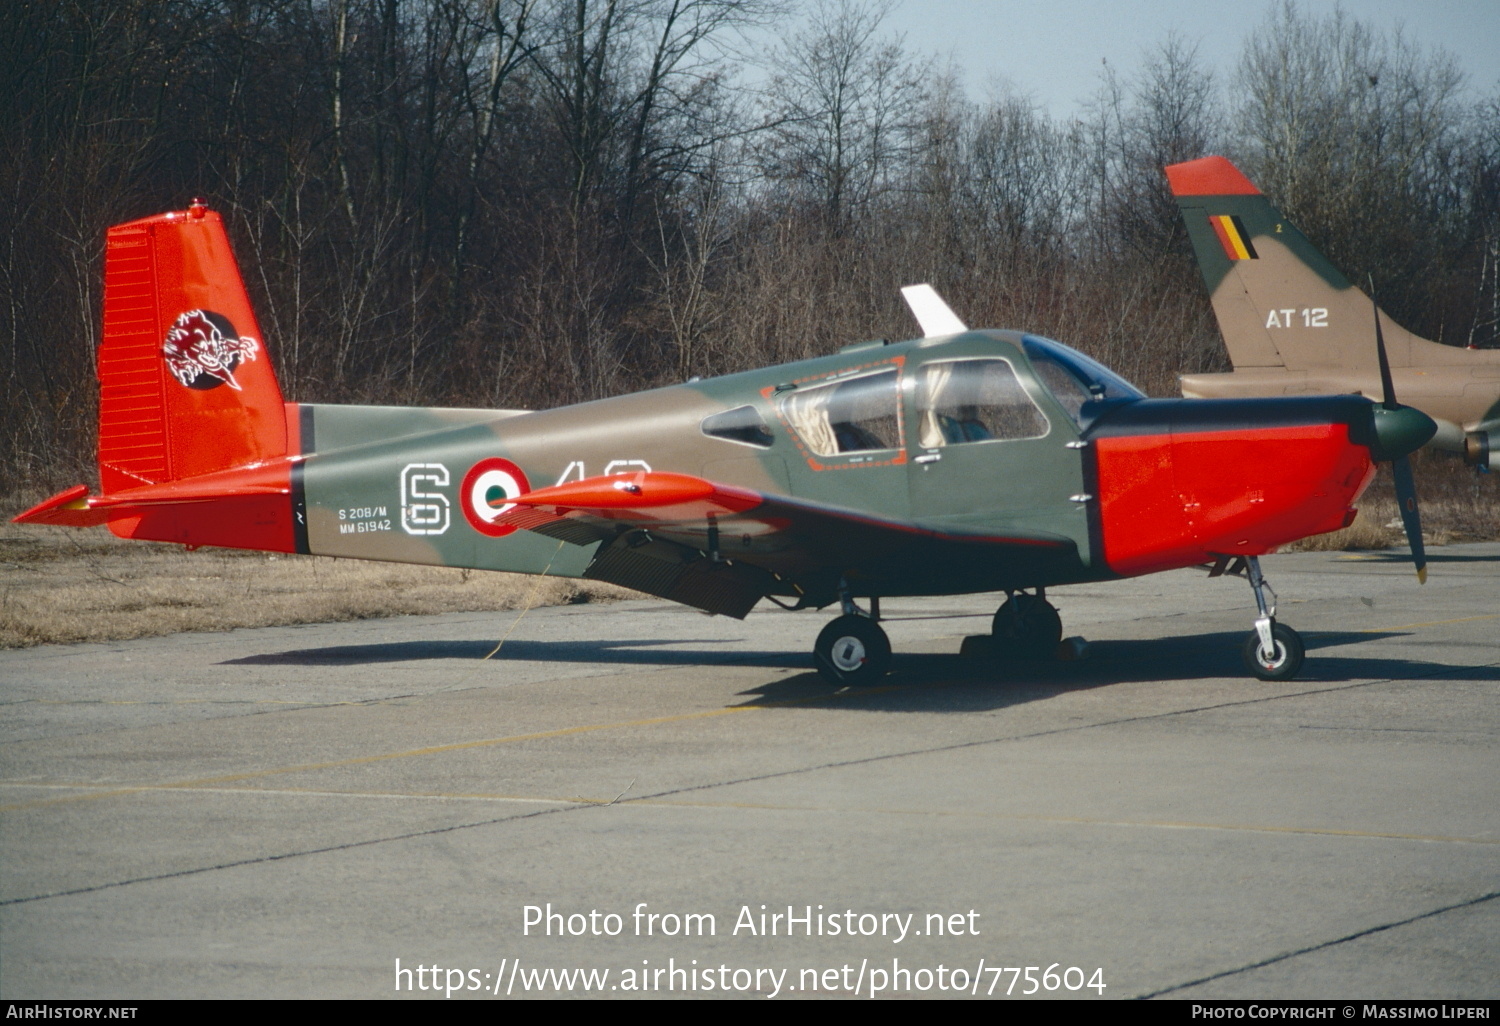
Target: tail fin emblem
<point>1232,236</point>
<point>202,350</point>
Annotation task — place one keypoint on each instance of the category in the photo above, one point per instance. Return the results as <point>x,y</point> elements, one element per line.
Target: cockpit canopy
<point>1084,387</point>
<point>983,395</point>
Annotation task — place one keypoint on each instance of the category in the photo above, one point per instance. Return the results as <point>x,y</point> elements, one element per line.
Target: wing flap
<point>682,574</point>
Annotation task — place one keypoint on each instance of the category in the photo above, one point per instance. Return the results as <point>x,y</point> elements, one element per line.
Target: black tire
<point>1289,652</point>
<point>1026,627</point>
<point>853,650</point>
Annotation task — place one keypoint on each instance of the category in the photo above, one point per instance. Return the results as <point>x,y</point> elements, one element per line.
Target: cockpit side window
<point>856,415</point>
<point>974,401</point>
<point>1083,387</point>
<point>743,424</point>
<point>1070,393</point>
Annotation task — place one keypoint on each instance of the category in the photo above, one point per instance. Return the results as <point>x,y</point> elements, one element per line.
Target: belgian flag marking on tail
<point>1232,236</point>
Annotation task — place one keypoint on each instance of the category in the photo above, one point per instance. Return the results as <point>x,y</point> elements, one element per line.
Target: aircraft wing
<point>721,547</point>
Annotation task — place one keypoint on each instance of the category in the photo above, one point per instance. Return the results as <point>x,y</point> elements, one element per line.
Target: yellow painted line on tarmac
<point>822,809</point>
<point>364,760</point>
<point>1080,821</point>
<point>173,701</point>
<point>668,803</point>
<point>207,783</point>
<point>311,792</point>
<point>1430,623</point>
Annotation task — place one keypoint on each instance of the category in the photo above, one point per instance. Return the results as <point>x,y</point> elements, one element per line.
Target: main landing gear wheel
<point>1284,663</point>
<point>853,650</point>
<point>1026,627</point>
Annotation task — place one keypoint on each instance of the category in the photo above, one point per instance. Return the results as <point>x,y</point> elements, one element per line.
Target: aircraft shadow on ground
<point>953,683</point>
<point>628,652</point>
<point>1432,557</point>
<point>921,682</point>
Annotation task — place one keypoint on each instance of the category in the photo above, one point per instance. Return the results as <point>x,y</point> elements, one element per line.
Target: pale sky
<point>1052,50</point>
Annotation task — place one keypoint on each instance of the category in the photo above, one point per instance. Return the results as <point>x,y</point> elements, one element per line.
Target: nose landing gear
<point>1273,651</point>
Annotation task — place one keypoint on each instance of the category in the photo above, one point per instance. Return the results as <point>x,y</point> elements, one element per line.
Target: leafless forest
<point>522,203</point>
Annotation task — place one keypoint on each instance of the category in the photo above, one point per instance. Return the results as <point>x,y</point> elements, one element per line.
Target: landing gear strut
<point>1026,627</point>
<point>853,650</point>
<point>1273,651</point>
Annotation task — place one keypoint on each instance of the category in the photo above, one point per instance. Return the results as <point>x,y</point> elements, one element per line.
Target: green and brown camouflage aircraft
<point>962,461</point>
<point>1294,325</point>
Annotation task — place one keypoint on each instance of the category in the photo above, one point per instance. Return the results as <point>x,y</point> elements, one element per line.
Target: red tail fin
<point>186,386</point>
<point>193,435</point>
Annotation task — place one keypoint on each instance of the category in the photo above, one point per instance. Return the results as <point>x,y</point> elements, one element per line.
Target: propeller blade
<point>1388,390</point>
<point>1411,519</point>
<point>1406,489</point>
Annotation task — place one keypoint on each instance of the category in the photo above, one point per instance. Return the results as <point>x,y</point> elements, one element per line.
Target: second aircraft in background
<point>1294,325</point>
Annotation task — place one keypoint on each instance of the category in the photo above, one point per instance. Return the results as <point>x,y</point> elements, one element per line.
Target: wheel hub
<point>848,654</point>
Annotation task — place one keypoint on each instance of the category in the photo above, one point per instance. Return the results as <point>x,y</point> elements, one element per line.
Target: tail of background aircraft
<point>1279,302</point>
<point>1294,325</point>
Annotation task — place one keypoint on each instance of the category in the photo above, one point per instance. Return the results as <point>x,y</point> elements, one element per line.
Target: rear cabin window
<point>974,401</point>
<point>743,424</point>
<point>856,415</point>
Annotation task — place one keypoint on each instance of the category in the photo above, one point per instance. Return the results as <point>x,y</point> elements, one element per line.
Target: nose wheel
<point>1273,651</point>
<point>1280,659</point>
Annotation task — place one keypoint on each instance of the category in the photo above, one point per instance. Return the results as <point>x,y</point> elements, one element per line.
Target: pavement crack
<point>281,856</point>
<point>1319,947</point>
<point>1051,732</point>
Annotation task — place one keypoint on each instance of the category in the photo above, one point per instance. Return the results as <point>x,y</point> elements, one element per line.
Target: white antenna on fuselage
<point>934,315</point>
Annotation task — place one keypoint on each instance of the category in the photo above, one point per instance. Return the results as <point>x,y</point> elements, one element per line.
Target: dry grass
<point>60,585</point>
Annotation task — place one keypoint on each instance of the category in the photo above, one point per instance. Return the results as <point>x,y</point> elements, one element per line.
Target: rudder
<point>186,386</point>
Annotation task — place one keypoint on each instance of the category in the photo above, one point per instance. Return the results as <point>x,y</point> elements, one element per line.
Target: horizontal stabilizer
<point>77,508</point>
<point>65,509</point>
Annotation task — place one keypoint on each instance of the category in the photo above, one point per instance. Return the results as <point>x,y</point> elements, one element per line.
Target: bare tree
<point>1355,131</point>
<point>846,104</point>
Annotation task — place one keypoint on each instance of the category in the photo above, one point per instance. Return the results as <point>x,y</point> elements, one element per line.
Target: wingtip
<point>1209,176</point>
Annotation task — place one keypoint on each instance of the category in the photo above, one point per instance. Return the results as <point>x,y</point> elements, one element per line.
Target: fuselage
<point>982,434</point>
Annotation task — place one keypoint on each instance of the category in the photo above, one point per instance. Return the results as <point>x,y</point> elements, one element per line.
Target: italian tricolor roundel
<point>486,492</point>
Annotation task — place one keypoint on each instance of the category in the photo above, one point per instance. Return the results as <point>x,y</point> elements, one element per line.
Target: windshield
<point>1082,386</point>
